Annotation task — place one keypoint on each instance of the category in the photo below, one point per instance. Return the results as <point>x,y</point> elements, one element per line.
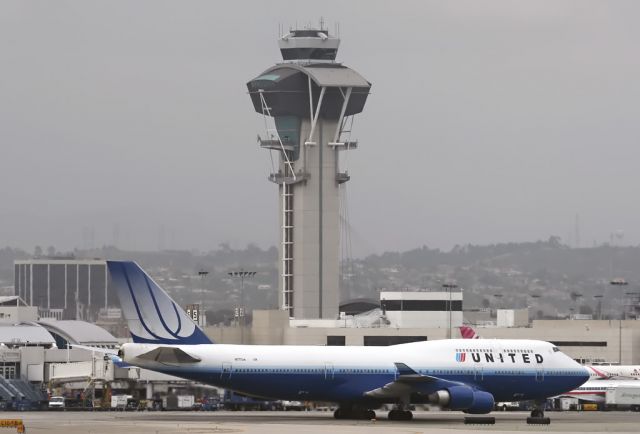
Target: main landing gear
<point>537,417</point>
<point>354,413</point>
<point>400,415</point>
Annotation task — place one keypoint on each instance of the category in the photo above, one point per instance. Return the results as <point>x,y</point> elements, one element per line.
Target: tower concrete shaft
<point>308,101</point>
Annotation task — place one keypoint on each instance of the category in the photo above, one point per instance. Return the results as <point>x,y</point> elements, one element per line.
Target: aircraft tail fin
<point>468,333</point>
<point>152,316</point>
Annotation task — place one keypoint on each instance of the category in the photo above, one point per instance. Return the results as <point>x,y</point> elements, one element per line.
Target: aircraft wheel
<point>538,421</point>
<point>400,415</point>
<point>537,413</point>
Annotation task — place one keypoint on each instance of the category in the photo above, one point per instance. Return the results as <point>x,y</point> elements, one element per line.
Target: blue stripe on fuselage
<point>341,384</point>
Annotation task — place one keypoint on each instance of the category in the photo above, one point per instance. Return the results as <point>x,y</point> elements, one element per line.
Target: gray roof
<point>25,334</point>
<point>329,75</point>
<point>334,77</point>
<point>79,332</point>
<point>12,300</point>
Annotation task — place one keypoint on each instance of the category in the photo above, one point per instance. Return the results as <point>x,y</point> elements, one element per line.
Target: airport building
<point>65,288</point>
<point>38,358</point>
<point>588,341</point>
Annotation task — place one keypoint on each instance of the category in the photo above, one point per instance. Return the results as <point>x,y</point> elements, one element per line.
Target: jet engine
<point>463,398</point>
<point>483,403</point>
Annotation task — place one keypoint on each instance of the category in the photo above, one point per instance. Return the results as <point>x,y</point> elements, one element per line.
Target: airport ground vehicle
<point>508,406</point>
<point>121,402</point>
<point>623,398</point>
<point>57,403</point>
<point>456,374</point>
<point>207,404</point>
<point>608,394</point>
<point>237,401</point>
<point>293,405</point>
<point>179,402</point>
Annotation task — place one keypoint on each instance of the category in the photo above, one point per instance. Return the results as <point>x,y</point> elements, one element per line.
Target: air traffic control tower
<point>308,102</point>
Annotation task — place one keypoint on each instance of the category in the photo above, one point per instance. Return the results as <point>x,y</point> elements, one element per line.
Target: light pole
<point>241,274</point>
<point>619,282</point>
<point>536,297</point>
<point>449,287</point>
<point>575,296</point>
<point>534,301</point>
<point>203,275</point>
<point>598,306</point>
<point>498,298</point>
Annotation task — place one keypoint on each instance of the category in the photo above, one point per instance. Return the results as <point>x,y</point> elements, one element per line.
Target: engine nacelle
<point>454,398</point>
<point>464,398</point>
<point>483,403</point>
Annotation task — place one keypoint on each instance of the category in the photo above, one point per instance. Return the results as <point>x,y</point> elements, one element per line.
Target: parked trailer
<point>567,403</point>
<point>179,402</point>
<point>623,398</point>
<point>119,402</point>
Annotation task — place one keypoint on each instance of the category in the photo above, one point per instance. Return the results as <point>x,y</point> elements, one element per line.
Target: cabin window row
<point>486,350</point>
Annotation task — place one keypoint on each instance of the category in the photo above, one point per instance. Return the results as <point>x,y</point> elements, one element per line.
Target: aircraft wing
<point>406,382</point>
<point>169,356</point>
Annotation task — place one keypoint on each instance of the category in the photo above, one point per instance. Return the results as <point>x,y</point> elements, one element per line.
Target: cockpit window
<point>556,349</point>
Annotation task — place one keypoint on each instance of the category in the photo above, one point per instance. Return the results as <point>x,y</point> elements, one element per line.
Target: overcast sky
<point>489,121</point>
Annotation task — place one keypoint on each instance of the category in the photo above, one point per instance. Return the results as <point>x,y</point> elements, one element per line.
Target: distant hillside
<point>553,279</point>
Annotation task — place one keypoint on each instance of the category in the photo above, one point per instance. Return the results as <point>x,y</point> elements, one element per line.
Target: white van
<point>56,402</point>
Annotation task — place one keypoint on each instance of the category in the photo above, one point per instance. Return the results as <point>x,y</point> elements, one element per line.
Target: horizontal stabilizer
<point>100,350</point>
<point>111,353</point>
<point>169,356</point>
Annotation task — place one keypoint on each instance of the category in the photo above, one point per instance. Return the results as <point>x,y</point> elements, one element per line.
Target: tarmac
<point>68,422</point>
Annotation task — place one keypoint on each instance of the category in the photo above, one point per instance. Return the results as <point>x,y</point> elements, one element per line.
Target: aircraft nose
<point>581,376</point>
<point>585,375</point>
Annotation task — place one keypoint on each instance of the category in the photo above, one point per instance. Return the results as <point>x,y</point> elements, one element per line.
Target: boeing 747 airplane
<point>455,374</point>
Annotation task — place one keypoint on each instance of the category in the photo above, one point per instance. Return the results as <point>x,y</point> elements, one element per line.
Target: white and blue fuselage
<point>508,369</point>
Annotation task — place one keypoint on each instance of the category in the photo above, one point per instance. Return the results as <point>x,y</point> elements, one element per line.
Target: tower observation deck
<point>310,100</point>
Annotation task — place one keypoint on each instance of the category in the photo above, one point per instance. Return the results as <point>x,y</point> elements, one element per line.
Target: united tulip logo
<point>460,357</point>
